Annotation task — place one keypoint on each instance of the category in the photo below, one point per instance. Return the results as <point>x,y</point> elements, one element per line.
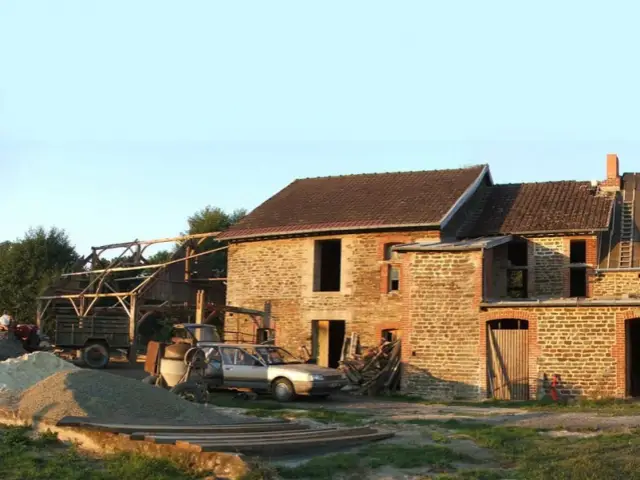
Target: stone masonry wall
<point>585,346</point>
<point>281,271</point>
<point>549,261</point>
<point>442,310</point>
<point>616,285</point>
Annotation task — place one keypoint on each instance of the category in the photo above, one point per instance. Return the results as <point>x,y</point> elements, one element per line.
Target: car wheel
<point>96,355</point>
<point>190,392</point>
<point>283,390</point>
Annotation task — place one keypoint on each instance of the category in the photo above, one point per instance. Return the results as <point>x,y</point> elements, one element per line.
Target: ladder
<point>627,229</point>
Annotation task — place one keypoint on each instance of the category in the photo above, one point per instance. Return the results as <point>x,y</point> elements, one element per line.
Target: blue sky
<point>119,119</point>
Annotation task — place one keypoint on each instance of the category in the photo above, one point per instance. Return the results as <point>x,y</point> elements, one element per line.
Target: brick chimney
<point>612,182</point>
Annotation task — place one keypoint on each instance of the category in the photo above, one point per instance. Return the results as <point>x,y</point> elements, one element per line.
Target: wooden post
<point>187,264</point>
<point>199,306</point>
<point>133,318</point>
<point>39,314</point>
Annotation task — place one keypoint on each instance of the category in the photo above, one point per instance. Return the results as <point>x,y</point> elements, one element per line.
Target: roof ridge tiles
<point>364,174</point>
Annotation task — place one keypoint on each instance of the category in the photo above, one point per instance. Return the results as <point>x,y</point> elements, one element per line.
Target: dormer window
<point>517,271</point>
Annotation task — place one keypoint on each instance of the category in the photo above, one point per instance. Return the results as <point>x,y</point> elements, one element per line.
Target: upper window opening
<point>578,251</point>
<point>328,259</point>
<point>517,253</point>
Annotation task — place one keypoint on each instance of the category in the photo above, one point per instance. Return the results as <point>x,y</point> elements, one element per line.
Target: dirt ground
<point>379,409</point>
<point>452,441</point>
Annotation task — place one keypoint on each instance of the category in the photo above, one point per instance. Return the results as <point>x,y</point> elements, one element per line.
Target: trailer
<point>95,338</point>
<point>97,308</point>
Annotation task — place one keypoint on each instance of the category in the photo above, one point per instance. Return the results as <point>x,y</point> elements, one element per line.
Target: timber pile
<point>374,372</point>
<point>273,438</point>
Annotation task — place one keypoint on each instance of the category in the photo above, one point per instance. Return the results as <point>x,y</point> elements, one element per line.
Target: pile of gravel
<point>17,374</point>
<point>103,396</point>
<point>10,347</point>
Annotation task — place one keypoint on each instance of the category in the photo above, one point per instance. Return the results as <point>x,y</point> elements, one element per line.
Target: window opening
<point>328,259</point>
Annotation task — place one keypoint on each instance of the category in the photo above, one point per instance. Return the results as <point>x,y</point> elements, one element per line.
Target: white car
<point>261,368</point>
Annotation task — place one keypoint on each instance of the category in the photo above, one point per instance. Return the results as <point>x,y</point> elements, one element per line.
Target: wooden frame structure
<point>92,287</point>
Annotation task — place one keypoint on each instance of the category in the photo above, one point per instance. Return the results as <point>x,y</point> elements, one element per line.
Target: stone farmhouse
<point>494,289</point>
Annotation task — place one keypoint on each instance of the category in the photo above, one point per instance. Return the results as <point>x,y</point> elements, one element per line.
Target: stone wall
<point>441,354</point>
<point>281,271</point>
<point>549,260</point>
<point>616,285</point>
<point>585,346</point>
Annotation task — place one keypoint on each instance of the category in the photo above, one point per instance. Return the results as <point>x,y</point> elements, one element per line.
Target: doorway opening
<point>327,338</point>
<point>633,357</point>
<point>508,359</point>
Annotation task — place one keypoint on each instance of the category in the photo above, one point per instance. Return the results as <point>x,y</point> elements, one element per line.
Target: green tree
<point>160,257</point>
<point>28,266</point>
<point>212,219</point>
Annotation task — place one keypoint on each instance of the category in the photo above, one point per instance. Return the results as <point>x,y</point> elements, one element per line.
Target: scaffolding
<point>95,286</point>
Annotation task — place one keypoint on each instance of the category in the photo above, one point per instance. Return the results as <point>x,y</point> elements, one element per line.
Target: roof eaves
<point>285,231</point>
<point>466,195</point>
<point>482,243</point>
<point>557,232</point>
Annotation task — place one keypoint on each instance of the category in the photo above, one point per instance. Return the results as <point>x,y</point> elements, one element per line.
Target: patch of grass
<point>436,437</point>
<point>47,438</point>
<point>319,415</point>
<point>259,470</point>
<point>538,457</point>
<point>605,406</point>
<point>451,424</point>
<point>133,466</point>
<point>27,456</point>
<point>475,474</point>
<point>435,457</point>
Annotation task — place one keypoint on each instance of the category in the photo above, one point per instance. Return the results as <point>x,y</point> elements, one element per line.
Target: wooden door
<point>322,334</point>
<point>508,363</point>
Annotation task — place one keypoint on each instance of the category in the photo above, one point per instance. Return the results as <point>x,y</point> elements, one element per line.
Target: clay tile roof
<point>550,207</point>
<point>355,202</point>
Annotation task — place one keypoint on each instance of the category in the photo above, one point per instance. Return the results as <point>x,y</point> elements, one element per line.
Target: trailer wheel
<point>190,392</point>
<point>96,355</point>
<point>150,380</point>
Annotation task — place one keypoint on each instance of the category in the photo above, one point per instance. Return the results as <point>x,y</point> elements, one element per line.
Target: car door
<point>240,369</point>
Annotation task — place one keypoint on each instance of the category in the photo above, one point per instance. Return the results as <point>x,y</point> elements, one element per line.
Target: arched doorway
<point>633,356</point>
<point>508,359</point>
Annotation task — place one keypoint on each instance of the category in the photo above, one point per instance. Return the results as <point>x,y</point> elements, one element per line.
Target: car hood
<point>308,368</point>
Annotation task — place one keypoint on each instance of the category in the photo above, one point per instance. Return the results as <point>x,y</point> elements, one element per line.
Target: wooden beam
<point>88,295</point>
<point>144,267</point>
<point>133,341</point>
<point>199,306</point>
<point>158,240</point>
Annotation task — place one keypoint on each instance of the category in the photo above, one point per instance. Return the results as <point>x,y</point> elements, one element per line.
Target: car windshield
<point>277,356</point>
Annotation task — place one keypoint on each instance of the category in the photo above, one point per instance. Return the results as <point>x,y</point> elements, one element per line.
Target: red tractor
<point>29,336</point>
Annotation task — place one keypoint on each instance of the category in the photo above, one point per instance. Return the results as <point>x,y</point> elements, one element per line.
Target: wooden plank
<point>283,448</point>
<point>282,436</point>
<point>323,343</point>
<point>87,422</point>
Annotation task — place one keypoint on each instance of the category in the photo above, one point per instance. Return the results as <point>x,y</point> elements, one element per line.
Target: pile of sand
<point>103,396</point>
<point>17,374</point>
